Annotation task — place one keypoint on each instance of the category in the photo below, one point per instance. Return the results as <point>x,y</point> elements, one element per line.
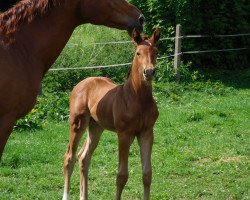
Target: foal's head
<point>146,54</point>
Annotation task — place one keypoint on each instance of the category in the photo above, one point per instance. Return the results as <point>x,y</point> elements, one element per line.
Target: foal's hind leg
<point>77,126</point>
<point>6,125</point>
<point>94,134</point>
<point>145,140</point>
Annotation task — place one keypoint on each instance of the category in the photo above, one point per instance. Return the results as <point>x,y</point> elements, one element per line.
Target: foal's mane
<point>24,12</point>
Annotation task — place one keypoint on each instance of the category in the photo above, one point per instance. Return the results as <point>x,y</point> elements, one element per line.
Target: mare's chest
<point>19,83</point>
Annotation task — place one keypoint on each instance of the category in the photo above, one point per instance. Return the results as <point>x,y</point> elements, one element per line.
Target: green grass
<point>201,151</point>
<point>201,148</point>
<point>80,50</point>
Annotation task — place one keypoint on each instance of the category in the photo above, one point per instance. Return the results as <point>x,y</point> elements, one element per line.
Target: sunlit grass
<point>81,50</point>
<point>201,148</point>
<point>201,151</point>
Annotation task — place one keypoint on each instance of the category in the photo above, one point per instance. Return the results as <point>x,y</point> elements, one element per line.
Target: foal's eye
<point>138,54</point>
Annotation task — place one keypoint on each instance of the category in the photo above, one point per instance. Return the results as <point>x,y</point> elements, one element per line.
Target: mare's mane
<point>23,12</point>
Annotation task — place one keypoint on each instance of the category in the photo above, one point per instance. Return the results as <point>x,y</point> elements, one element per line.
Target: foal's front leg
<point>145,140</point>
<point>125,142</point>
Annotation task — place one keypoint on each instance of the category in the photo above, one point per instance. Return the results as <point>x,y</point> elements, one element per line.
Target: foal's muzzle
<point>148,74</point>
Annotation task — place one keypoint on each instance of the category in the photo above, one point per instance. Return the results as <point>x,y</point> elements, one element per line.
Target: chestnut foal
<point>129,109</point>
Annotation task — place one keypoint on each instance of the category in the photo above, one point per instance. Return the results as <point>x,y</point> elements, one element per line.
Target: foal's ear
<point>156,36</point>
<point>136,36</point>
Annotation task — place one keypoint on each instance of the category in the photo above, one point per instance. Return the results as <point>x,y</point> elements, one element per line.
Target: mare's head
<point>146,54</point>
<point>113,13</point>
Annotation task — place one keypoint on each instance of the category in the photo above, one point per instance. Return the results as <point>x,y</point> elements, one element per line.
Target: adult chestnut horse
<point>32,35</point>
<point>97,103</point>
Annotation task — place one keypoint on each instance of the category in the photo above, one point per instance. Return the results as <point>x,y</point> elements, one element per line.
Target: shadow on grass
<point>238,79</point>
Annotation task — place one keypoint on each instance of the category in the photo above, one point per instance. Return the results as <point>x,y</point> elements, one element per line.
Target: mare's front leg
<point>125,140</point>
<point>145,140</point>
<point>6,126</point>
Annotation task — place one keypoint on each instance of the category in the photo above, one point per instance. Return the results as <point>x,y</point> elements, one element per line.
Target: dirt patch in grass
<point>234,159</point>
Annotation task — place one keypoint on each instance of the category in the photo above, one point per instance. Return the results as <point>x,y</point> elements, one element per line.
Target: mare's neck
<point>137,86</point>
<point>45,37</point>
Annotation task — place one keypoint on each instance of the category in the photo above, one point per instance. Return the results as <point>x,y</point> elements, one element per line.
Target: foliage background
<point>201,17</point>
<point>5,4</point>
<point>196,17</point>
<point>202,132</point>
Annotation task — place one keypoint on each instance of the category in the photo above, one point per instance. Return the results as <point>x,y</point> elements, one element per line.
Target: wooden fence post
<point>177,52</point>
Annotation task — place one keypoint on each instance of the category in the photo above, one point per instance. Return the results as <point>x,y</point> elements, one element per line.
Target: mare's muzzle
<point>138,25</point>
<point>141,20</point>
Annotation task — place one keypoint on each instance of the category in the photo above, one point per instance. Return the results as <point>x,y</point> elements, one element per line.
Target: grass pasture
<point>201,151</point>
<point>201,148</point>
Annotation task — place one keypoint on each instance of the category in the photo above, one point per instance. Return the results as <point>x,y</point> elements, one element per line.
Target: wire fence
<point>160,58</point>
<point>163,39</point>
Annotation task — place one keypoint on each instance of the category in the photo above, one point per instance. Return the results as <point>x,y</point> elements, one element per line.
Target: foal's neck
<point>137,85</point>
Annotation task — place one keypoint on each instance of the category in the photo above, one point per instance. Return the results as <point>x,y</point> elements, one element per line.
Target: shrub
<point>6,4</point>
<point>203,17</point>
<point>30,121</point>
<point>49,106</point>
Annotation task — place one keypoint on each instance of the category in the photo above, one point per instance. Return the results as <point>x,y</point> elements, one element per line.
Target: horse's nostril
<point>149,72</point>
<point>142,20</point>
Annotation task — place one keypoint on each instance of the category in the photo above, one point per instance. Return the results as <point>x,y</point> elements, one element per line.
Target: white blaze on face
<point>149,64</point>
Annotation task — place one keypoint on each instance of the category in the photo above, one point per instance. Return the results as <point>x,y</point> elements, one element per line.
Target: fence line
<point>176,54</point>
<point>112,42</point>
<point>162,39</point>
<point>100,43</point>
<point>214,36</point>
<point>210,51</point>
<point>161,58</point>
<point>100,66</point>
<point>90,67</point>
